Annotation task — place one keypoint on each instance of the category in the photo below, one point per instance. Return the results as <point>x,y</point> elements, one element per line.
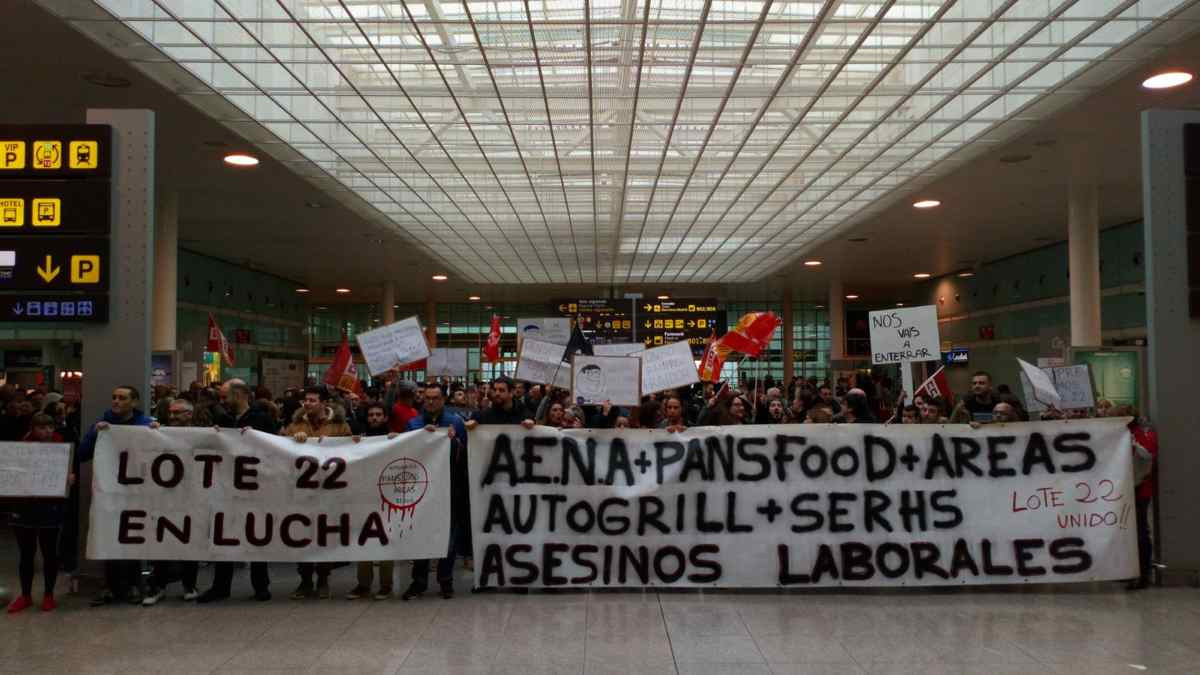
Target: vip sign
<point>12,154</point>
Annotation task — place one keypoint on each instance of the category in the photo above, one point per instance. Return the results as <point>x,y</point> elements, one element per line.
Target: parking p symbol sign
<point>85,269</point>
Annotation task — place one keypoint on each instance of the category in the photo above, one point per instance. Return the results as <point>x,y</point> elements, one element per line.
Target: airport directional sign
<point>50,264</point>
<point>42,307</point>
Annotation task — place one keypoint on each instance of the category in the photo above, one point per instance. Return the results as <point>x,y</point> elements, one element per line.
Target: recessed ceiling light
<point>926,204</point>
<point>301,290</point>
<point>241,159</point>
<point>395,306</point>
<point>922,275</point>
<point>899,304</point>
<point>322,307</point>
<point>965,274</point>
<point>812,263</point>
<point>664,297</point>
<point>852,297</point>
<point>1167,80</point>
<point>440,277</point>
<point>473,298</point>
<point>343,291</point>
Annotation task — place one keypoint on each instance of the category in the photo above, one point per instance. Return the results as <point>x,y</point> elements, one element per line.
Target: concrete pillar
<point>837,321</point>
<point>1083,254</point>
<point>789,341</point>
<point>166,271</point>
<point>1174,361</point>
<point>431,322</point>
<point>388,304</point>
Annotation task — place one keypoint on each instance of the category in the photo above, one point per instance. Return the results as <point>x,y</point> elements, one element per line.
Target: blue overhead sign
<point>959,356</point>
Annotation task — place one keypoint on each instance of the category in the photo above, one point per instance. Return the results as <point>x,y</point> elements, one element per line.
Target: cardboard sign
<point>668,367</point>
<point>552,329</point>
<point>599,379</point>
<point>393,345</point>
<point>905,335</point>
<point>541,362</point>
<point>34,469</point>
<point>619,349</point>
<point>1073,385</point>
<point>447,362</point>
<point>1040,386</point>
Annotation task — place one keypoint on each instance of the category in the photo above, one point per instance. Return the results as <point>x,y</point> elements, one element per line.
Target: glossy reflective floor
<point>1094,629</point>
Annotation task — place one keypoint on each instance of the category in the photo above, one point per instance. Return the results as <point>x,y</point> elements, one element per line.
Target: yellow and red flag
<point>750,336</point>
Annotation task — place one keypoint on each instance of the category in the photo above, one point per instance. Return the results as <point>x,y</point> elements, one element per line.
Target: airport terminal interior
<point>665,336</point>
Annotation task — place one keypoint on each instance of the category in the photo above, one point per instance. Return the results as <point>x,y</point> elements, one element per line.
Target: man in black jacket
<point>241,413</point>
<point>504,409</point>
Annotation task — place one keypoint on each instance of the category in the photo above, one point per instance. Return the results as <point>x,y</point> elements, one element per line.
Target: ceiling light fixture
<point>852,297</point>
<point>342,291</point>
<point>440,277</point>
<point>926,204</point>
<point>301,290</point>
<point>812,263</point>
<point>241,159</point>
<point>1167,80</point>
<point>664,297</point>
<point>473,298</point>
<point>899,304</point>
<point>922,275</point>
<point>966,273</point>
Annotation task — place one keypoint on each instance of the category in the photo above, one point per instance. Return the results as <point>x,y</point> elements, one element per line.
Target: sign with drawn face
<point>599,379</point>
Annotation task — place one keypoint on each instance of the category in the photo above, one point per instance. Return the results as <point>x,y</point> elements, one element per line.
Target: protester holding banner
<point>179,414</point>
<point>976,406</point>
<point>402,409</point>
<point>435,417</point>
<point>120,575</point>
<point>504,408</point>
<point>37,524</point>
<point>377,425</point>
<point>1147,440</point>
<point>316,419</point>
<point>241,413</point>
<point>673,419</point>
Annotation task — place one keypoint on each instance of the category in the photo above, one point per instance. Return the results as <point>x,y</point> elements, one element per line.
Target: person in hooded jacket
<point>120,575</point>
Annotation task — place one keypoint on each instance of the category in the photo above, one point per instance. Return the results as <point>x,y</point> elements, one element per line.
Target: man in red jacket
<point>403,410</point>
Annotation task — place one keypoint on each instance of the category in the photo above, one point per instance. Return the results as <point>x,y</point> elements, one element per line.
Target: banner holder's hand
<point>450,433</point>
<point>155,425</point>
<point>392,434</point>
<point>471,424</point>
<point>356,438</point>
<point>300,437</point>
<point>244,430</point>
<point>430,428</point>
<point>70,480</point>
<point>101,425</point>
<point>527,423</point>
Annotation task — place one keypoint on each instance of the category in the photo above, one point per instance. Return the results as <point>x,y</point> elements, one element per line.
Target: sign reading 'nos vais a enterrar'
<point>904,335</point>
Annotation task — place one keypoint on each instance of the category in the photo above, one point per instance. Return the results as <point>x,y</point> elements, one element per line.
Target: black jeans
<point>1145,545</point>
<point>223,577</point>
<point>322,569</point>
<point>163,572</point>
<point>445,566</point>
<point>120,576</point>
<point>28,541</point>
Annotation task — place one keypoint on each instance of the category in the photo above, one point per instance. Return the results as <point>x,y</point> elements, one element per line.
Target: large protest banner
<point>200,494</point>
<point>803,505</point>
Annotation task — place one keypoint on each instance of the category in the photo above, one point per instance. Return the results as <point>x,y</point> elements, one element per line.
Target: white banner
<point>200,494</point>
<point>804,505</point>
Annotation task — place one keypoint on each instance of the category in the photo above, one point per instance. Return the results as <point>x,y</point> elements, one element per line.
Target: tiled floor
<point>1094,629</point>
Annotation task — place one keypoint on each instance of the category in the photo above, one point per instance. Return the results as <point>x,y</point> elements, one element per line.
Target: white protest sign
<point>445,361</point>
<point>552,329</point>
<point>198,494</point>
<point>668,367</point>
<point>540,361</point>
<point>34,469</point>
<point>904,335</point>
<point>393,345</point>
<point>1041,386</point>
<point>808,505</point>
<point>1073,385</point>
<point>279,375</point>
<point>597,379</point>
<point>619,349</point>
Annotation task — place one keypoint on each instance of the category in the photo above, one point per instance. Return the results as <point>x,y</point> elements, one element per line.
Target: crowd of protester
<point>396,406</point>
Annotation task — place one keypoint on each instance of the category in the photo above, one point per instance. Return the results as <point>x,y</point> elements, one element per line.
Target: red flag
<point>713,359</point>
<point>218,343</point>
<point>752,334</point>
<point>491,352</point>
<point>343,373</point>
<point>937,386</point>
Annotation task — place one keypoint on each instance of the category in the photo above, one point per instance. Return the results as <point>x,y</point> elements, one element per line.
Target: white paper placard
<point>1073,384</point>
<point>1041,387</point>
<point>447,362</point>
<point>905,335</point>
<point>393,345</point>
<point>599,379</point>
<point>34,469</point>
<point>541,362</point>
<point>619,349</point>
<point>552,329</point>
<point>668,367</point>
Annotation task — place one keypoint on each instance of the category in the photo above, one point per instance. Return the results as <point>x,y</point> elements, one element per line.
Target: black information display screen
<point>602,320</point>
<point>693,319</point>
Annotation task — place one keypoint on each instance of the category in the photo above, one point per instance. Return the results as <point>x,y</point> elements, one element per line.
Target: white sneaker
<point>153,597</point>
<point>191,594</point>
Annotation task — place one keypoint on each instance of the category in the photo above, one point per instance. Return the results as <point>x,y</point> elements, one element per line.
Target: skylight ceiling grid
<point>671,140</point>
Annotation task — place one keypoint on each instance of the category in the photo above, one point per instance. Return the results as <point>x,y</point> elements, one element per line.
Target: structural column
<point>431,322</point>
<point>1173,332</point>
<point>1083,253</point>
<point>789,342</point>
<point>166,271</point>
<point>388,304</point>
<point>837,321</point>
